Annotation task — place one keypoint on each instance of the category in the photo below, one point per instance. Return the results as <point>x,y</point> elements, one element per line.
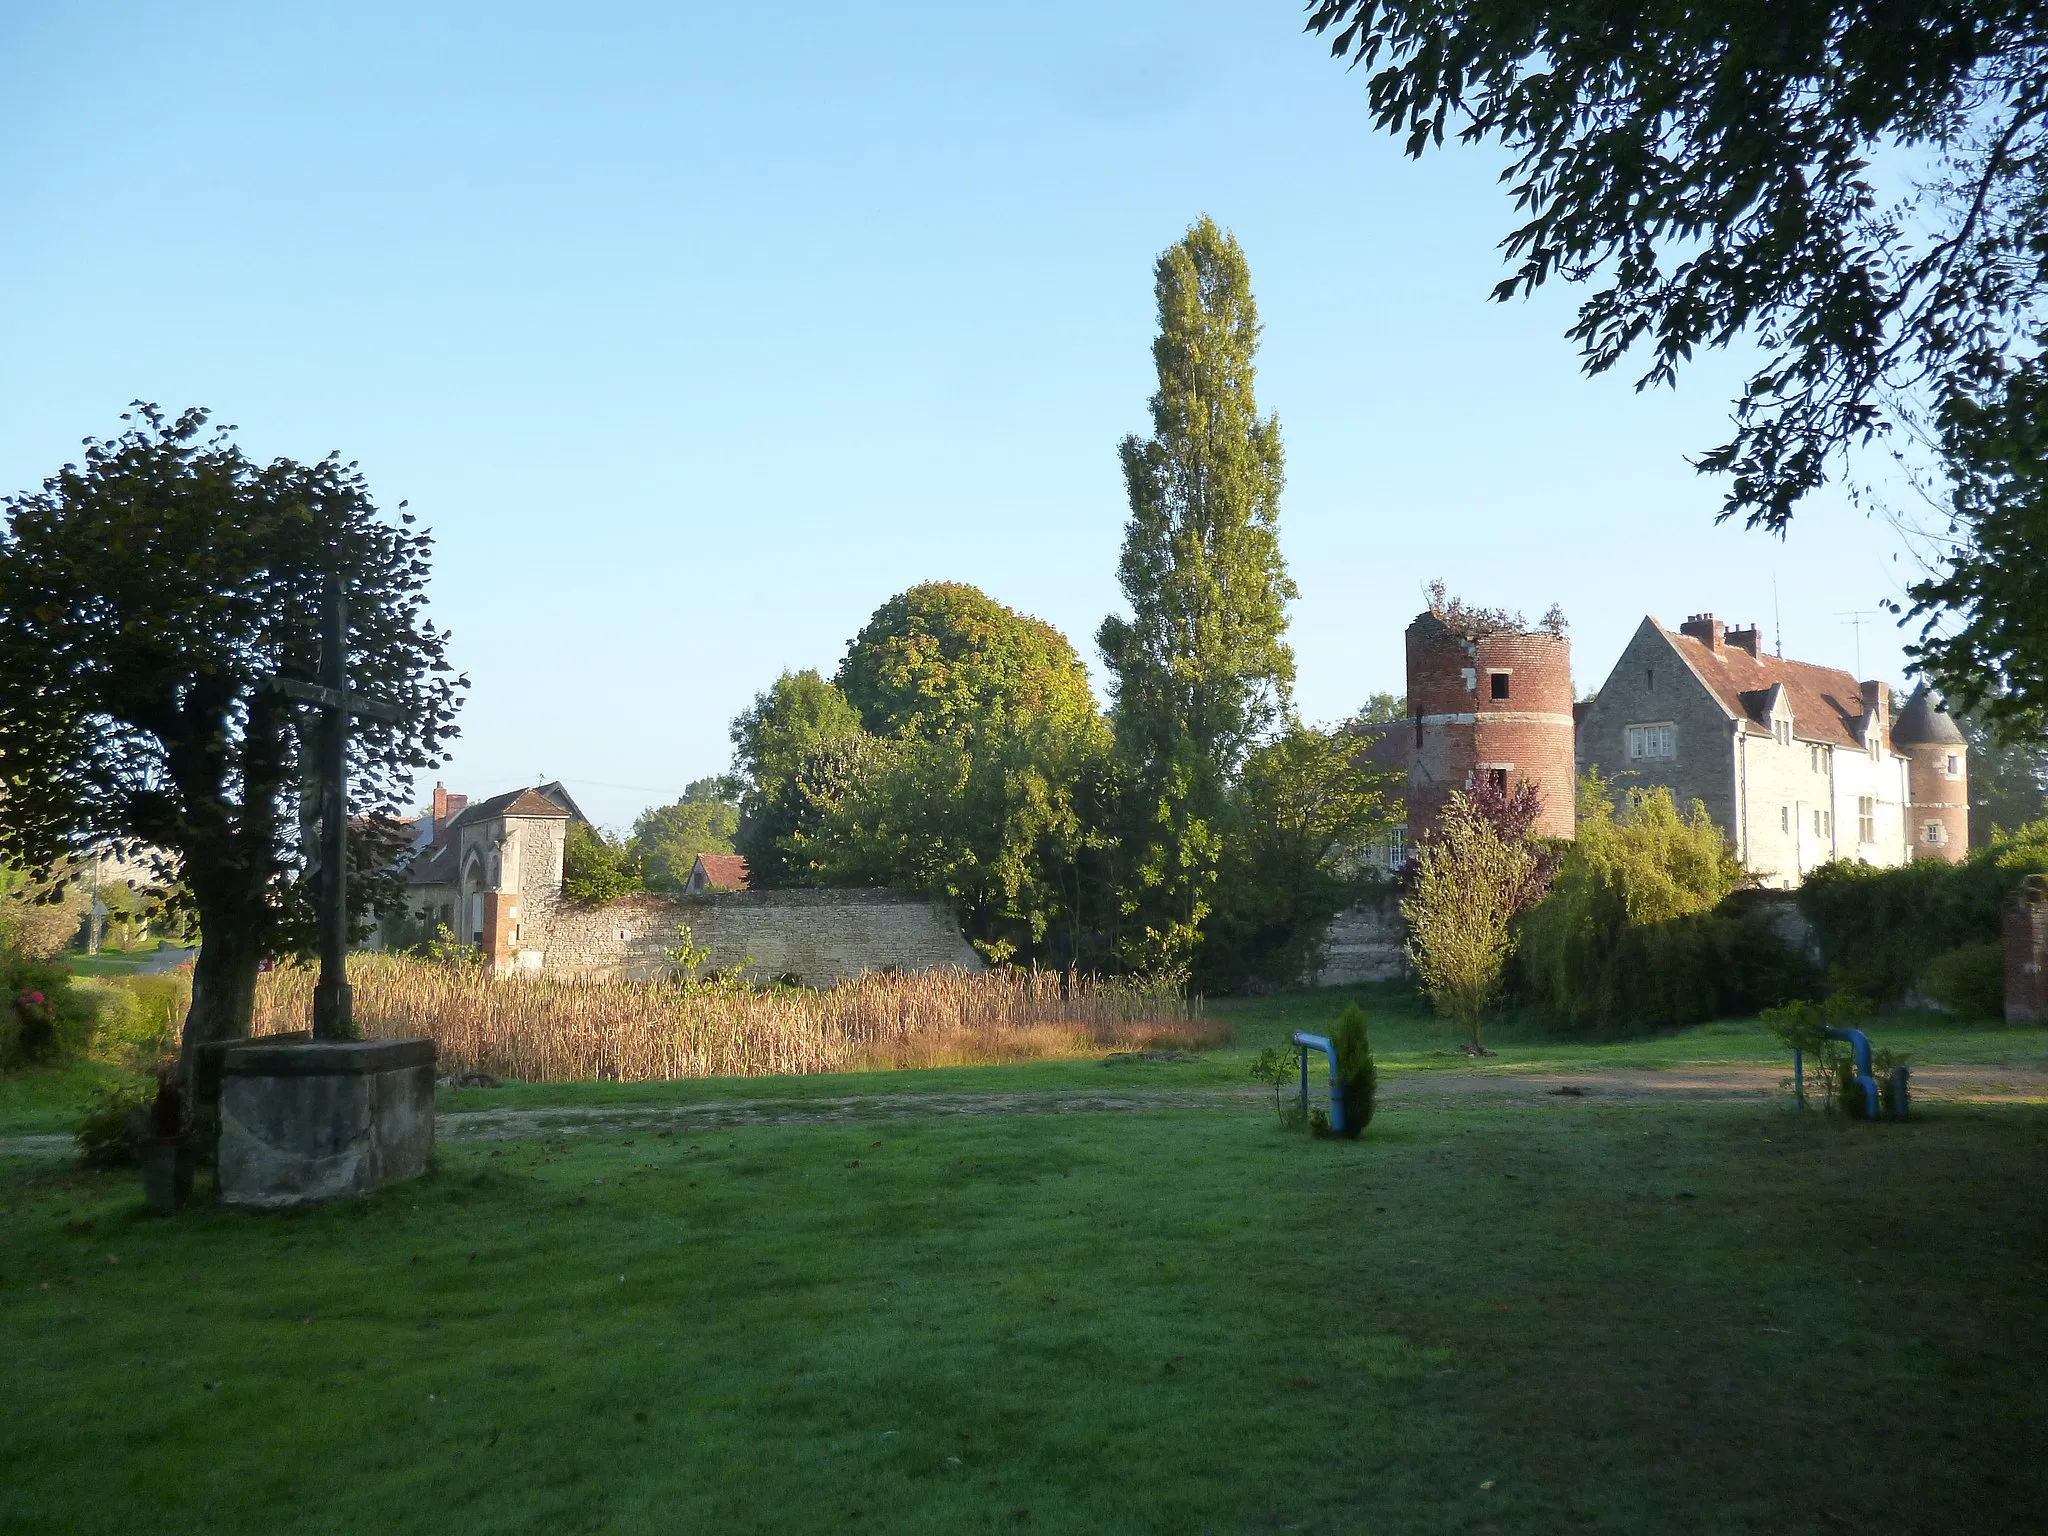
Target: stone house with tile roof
<point>1798,764</point>
<point>491,874</point>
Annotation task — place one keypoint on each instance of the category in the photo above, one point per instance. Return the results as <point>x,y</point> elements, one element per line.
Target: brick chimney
<point>1706,629</point>
<point>1745,640</point>
<point>446,808</point>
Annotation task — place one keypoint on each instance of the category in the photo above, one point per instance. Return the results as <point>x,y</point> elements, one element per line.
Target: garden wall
<point>1365,943</point>
<point>818,937</point>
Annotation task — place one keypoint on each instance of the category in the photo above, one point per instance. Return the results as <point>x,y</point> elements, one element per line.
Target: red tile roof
<point>1827,704</point>
<point>723,871</point>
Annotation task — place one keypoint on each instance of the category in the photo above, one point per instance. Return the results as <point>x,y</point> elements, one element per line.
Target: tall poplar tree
<point>1201,669</point>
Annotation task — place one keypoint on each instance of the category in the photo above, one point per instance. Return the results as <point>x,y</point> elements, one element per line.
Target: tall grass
<point>542,1030</point>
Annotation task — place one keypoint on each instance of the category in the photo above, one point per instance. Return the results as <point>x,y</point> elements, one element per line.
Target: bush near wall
<point>1920,929</point>
<point>1638,932</point>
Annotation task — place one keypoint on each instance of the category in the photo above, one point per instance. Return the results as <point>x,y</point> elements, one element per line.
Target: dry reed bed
<point>542,1030</point>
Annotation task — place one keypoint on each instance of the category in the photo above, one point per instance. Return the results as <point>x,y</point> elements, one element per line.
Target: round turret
<point>1937,778</point>
<point>1488,699</point>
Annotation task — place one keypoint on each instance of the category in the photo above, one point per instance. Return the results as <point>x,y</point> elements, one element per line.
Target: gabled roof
<point>1827,703</point>
<point>514,802</point>
<point>723,871</point>
<point>1925,723</point>
<point>558,792</point>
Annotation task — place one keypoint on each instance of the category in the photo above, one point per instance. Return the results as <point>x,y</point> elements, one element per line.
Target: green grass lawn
<point>1715,1317</point>
<point>115,962</point>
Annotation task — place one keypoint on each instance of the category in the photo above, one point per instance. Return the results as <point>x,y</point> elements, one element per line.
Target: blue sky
<point>695,332</point>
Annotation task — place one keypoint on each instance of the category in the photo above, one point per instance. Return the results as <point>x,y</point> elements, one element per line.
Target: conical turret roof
<point>1925,723</point>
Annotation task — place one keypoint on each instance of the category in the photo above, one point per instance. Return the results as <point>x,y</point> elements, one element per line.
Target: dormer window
<point>1781,732</point>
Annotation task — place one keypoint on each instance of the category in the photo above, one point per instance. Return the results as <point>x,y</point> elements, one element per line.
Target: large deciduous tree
<point>1300,811</point>
<point>145,596</point>
<point>1856,185</point>
<point>1984,612</point>
<point>1200,669</point>
<point>985,786</point>
<point>944,659</point>
<point>796,749</point>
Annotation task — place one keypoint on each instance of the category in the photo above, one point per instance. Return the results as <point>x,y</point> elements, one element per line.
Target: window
<point>1784,818</point>
<point>1935,833</point>
<point>1650,679</point>
<point>1955,766</point>
<point>1499,682</point>
<point>1781,732</point>
<point>1816,823</point>
<point>1827,820</point>
<point>1876,745</point>
<point>1498,778</point>
<point>1651,741</point>
<point>1866,819</point>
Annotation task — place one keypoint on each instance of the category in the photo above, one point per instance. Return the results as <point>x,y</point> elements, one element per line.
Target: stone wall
<point>1365,943</point>
<point>819,937</point>
<point>2026,953</point>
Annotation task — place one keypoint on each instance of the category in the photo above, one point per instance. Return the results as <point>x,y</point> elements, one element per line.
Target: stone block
<point>318,1120</point>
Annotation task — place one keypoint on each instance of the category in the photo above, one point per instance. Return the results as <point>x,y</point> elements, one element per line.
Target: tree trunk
<point>223,982</point>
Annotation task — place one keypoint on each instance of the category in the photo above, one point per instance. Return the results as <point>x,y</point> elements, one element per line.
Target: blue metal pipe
<point>1321,1043</point>
<point>1859,1046</point>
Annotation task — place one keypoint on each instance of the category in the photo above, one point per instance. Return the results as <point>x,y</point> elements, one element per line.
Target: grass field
<point>1582,1315</point>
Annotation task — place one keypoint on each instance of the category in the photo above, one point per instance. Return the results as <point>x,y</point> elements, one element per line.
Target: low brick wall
<point>818,937</point>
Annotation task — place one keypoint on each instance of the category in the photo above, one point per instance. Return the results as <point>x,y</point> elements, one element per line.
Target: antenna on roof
<point>1777,619</point>
<point>1854,619</point>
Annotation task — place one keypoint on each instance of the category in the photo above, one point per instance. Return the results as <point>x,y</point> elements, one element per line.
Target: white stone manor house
<point>1798,764</point>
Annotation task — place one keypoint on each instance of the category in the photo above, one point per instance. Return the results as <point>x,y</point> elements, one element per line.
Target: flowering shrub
<point>41,1018</point>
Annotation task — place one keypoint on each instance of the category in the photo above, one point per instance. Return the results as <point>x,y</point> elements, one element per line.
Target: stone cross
<point>331,1003</point>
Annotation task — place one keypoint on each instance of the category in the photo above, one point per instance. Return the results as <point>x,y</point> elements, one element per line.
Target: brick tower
<point>1937,778</point>
<point>1487,697</point>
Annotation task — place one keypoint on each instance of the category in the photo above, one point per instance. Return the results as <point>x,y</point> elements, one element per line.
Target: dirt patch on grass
<point>1555,1091</point>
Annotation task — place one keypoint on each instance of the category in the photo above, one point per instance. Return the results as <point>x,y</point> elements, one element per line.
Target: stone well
<point>316,1120</point>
